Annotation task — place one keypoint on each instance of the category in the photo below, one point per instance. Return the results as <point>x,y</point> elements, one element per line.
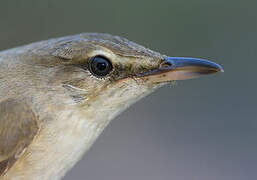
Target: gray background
<point>200,129</point>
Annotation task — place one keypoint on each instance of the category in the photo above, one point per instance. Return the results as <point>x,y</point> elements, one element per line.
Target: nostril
<point>166,64</point>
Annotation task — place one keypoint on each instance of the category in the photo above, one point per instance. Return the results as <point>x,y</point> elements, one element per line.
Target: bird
<point>58,95</point>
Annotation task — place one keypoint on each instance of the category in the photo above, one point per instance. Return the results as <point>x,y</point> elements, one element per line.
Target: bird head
<point>104,74</point>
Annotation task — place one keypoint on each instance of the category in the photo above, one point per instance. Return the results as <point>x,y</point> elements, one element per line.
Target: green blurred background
<point>200,129</point>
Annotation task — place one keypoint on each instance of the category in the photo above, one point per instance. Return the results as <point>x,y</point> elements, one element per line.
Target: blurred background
<point>196,130</point>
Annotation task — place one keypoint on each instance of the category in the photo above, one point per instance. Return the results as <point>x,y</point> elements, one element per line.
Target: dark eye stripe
<point>100,66</point>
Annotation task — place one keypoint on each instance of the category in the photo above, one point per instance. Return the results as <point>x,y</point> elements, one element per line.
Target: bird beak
<point>181,68</point>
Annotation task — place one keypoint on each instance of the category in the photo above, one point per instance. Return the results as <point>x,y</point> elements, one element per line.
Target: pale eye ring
<point>100,66</point>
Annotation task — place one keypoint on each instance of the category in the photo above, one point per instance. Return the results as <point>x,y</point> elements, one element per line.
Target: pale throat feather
<point>65,140</point>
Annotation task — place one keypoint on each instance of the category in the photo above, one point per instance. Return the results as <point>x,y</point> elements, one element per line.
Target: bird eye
<point>100,66</point>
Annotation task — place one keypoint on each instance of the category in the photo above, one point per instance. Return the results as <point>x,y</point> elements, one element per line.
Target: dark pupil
<point>100,66</point>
